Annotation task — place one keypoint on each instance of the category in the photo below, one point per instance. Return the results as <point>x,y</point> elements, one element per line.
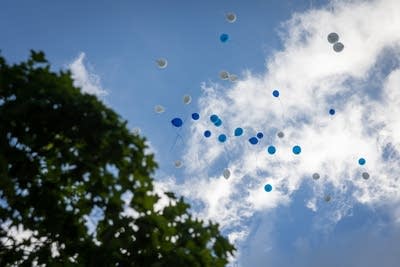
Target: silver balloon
<point>338,47</point>
<point>281,134</point>
<point>230,17</point>
<point>224,75</point>
<point>316,176</point>
<point>365,175</point>
<point>227,173</point>
<point>159,109</point>
<point>333,37</point>
<point>327,198</point>
<point>162,63</point>
<point>233,78</point>
<point>178,164</point>
<point>136,130</point>
<point>187,99</point>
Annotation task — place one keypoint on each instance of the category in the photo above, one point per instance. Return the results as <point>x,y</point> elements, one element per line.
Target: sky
<point>112,49</point>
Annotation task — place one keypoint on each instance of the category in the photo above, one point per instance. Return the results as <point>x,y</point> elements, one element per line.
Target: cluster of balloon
<point>231,18</point>
<point>176,122</point>
<point>365,175</point>
<point>333,38</point>
<point>254,139</point>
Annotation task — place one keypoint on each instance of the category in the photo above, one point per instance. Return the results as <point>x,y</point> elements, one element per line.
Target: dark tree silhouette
<point>64,155</point>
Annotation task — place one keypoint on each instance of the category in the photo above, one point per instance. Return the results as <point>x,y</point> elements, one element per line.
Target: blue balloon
<point>362,161</point>
<point>218,122</point>
<point>260,135</point>
<point>207,133</point>
<point>332,111</point>
<point>222,138</point>
<point>214,118</point>
<point>238,131</point>
<point>268,188</point>
<point>224,37</point>
<point>271,150</point>
<point>275,93</point>
<point>253,140</point>
<point>177,122</point>
<point>296,150</point>
<point>195,116</point>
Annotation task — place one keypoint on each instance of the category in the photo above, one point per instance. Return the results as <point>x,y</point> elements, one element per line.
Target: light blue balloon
<point>222,138</point>
<point>253,140</point>
<point>238,131</point>
<point>268,188</point>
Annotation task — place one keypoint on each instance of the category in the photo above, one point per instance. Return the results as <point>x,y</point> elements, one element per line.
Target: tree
<point>64,155</point>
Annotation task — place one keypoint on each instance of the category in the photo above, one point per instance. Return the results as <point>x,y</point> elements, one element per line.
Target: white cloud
<point>87,80</point>
<point>312,78</point>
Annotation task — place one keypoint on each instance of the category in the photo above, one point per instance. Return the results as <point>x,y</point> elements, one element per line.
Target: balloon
<point>177,122</point>
<point>159,109</point>
<point>333,37</point>
<point>253,140</point>
<point>162,63</point>
<point>365,175</point>
<point>296,150</point>
<point>233,77</point>
<point>214,118</point>
<point>207,133</point>
<point>260,135</point>
<point>224,37</point>
<point>327,198</point>
<point>332,111</point>
<point>187,99</point>
<point>136,130</point>
<point>195,116</point>
<point>226,173</point>
<point>230,17</point>
<point>178,164</point>
<point>275,93</point>
<point>268,188</point>
<point>271,150</point>
<point>281,134</point>
<point>238,131</point>
<point>315,176</point>
<point>224,75</point>
<point>338,47</point>
<point>222,138</point>
<point>362,161</point>
<point>218,122</point>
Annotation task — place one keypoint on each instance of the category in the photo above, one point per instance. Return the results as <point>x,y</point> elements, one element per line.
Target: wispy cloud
<point>360,83</point>
<point>84,78</point>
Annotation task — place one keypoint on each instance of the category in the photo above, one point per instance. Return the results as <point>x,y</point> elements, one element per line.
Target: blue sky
<point>111,49</point>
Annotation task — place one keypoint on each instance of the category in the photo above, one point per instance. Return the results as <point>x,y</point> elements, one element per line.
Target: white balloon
<point>227,173</point>
<point>327,198</point>
<point>224,75</point>
<point>187,99</point>
<point>365,175</point>
<point>316,176</point>
<point>281,134</point>
<point>230,17</point>
<point>162,63</point>
<point>159,109</point>
<point>178,164</point>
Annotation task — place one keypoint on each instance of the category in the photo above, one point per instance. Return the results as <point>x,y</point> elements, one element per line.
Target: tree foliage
<point>75,178</point>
